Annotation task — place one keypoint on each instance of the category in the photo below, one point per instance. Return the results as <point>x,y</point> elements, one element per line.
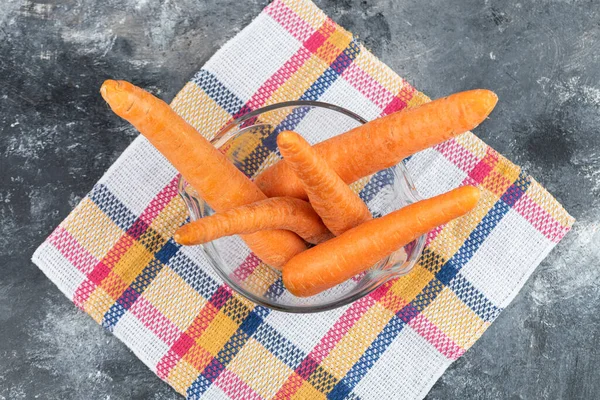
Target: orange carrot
<point>384,142</point>
<point>337,205</point>
<point>274,213</point>
<point>215,178</point>
<point>358,249</point>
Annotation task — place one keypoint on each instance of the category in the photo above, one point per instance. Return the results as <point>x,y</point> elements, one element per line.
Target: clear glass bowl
<point>249,142</point>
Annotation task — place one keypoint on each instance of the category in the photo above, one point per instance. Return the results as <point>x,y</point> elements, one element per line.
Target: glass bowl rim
<point>221,137</point>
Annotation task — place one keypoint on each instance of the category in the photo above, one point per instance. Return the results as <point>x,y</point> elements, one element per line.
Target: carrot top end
<point>118,95</point>
<point>288,140</point>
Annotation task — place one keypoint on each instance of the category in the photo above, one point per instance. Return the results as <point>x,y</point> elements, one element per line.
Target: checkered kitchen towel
<point>114,257</point>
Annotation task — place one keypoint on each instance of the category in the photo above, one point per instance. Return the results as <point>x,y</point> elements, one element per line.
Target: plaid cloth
<point>115,259</point>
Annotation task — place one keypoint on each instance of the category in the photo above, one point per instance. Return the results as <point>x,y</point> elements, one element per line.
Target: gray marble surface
<point>57,137</point>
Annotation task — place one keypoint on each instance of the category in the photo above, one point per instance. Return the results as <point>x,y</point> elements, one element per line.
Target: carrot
<point>337,205</point>
<point>358,249</point>
<point>384,142</point>
<point>215,178</point>
<point>274,213</point>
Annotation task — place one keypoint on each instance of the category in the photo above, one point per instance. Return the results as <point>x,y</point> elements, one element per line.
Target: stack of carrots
<point>305,198</point>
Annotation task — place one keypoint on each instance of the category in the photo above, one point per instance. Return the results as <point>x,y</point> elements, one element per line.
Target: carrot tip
<point>177,238</point>
<point>103,90</point>
<point>488,100</point>
<point>118,95</point>
<point>493,99</point>
<point>287,139</point>
<point>472,195</point>
<point>107,86</point>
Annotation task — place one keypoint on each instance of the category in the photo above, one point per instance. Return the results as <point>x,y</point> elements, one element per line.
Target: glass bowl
<point>249,142</point>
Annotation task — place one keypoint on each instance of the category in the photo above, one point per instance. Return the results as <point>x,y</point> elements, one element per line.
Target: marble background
<point>57,137</point>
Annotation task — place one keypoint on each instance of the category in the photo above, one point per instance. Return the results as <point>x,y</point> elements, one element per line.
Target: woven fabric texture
<point>114,256</point>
